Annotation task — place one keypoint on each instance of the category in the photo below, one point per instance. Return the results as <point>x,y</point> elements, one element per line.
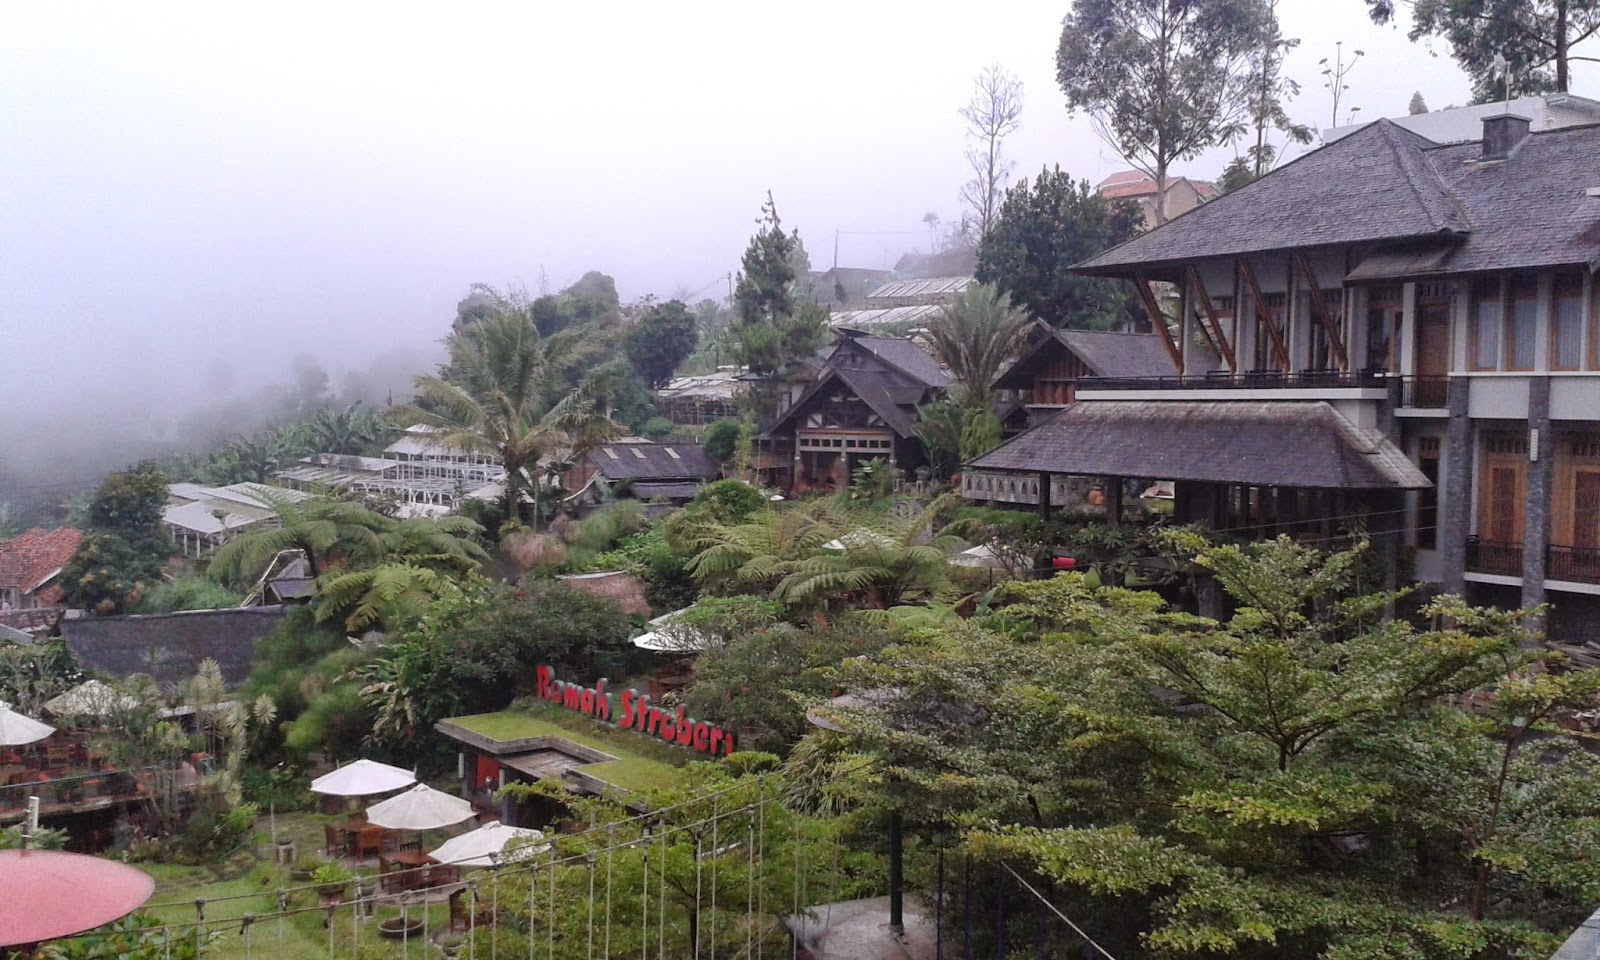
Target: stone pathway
<point>859,930</point>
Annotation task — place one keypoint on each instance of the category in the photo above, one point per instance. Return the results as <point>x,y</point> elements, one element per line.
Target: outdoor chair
<point>333,840</point>
<point>458,910</point>
<point>414,845</point>
<point>442,875</point>
<point>369,842</point>
<point>391,876</point>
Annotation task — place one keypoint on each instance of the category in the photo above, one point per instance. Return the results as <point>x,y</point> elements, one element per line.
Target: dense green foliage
<point>190,592</point>
<point>1044,228</point>
<point>660,341</point>
<point>760,673</point>
<point>122,551</point>
<point>721,440</point>
<point>474,649</point>
<point>1291,781</point>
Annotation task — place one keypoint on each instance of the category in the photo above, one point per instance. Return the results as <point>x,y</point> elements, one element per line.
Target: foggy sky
<point>183,184</point>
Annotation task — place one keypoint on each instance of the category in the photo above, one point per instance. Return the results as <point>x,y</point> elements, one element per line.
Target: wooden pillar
<point>1114,501</point>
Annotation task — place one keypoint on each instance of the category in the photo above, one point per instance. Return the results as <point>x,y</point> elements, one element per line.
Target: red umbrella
<point>49,894</point>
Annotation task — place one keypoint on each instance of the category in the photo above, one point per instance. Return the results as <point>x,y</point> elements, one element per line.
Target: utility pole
<point>836,248</point>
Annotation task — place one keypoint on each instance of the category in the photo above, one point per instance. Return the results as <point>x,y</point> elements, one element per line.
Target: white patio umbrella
<point>91,699</point>
<point>481,847</point>
<point>859,537</point>
<point>17,730</point>
<point>362,778</point>
<point>420,808</point>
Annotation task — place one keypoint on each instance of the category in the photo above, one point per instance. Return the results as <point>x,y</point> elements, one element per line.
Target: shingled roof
<point>1261,443</point>
<point>30,560</point>
<point>1423,209</point>
<point>1105,353</point>
<point>891,376</point>
<point>1373,185</point>
<point>169,646</point>
<point>653,461</point>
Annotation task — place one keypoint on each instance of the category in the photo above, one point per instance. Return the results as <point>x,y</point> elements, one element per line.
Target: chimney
<point>1501,135</point>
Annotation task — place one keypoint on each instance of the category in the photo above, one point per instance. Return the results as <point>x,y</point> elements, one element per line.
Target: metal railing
<point>1494,556</point>
<point>1425,392</point>
<point>1577,564</point>
<point>98,788</point>
<point>1222,380</point>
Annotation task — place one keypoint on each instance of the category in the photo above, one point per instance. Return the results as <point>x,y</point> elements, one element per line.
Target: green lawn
<point>247,885</point>
<point>632,770</point>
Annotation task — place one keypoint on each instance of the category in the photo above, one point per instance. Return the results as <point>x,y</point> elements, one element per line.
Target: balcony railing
<point>1425,392</point>
<point>1493,556</point>
<point>89,791</point>
<point>1222,380</point>
<point>1577,564</point>
<point>1574,564</point>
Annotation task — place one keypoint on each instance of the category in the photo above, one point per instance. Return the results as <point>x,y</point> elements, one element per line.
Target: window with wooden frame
<point>1486,311</point>
<point>1522,322</point>
<point>1428,500</point>
<point>1566,322</point>
<point>1575,494</point>
<point>1384,308</point>
<point>1503,484</point>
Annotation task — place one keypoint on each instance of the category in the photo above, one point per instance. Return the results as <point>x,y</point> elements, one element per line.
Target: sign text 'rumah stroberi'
<point>636,714</point>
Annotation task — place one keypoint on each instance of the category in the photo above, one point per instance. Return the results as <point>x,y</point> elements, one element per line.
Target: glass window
<point>1522,324</point>
<point>1566,317</point>
<point>1428,500</point>
<point>1485,324</point>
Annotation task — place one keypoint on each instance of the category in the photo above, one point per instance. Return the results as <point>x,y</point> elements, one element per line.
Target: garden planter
<point>333,892</point>
<point>400,928</point>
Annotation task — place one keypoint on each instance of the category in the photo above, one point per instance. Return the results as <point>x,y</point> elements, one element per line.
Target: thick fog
<point>192,195</point>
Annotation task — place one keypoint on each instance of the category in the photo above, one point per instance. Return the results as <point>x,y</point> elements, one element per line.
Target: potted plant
<point>304,866</point>
<point>332,880</point>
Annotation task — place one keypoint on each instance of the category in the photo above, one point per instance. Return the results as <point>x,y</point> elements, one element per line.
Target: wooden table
<point>412,862</point>
<point>412,858</point>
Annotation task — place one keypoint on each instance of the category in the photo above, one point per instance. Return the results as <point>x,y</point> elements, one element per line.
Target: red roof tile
<point>27,560</point>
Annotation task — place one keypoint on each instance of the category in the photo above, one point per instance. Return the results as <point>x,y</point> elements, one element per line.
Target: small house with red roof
<point>30,567</point>
<point>1183,194</point>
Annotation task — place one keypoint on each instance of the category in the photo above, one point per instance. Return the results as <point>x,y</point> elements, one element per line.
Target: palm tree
<point>503,393</point>
<point>820,550</point>
<point>326,531</point>
<point>348,431</point>
<point>974,335</point>
<point>387,593</point>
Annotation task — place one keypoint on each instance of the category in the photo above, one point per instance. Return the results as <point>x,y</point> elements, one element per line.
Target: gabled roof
<point>891,376</point>
<point>1531,210</point>
<point>1136,183</point>
<point>170,646</point>
<point>32,559</point>
<point>1376,184</point>
<point>1105,353</point>
<point>903,355</point>
<point>652,461</point>
<point>1110,354</point>
<point>1264,443</point>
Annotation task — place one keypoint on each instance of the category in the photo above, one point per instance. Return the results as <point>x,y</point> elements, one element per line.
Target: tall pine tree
<point>772,328</point>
